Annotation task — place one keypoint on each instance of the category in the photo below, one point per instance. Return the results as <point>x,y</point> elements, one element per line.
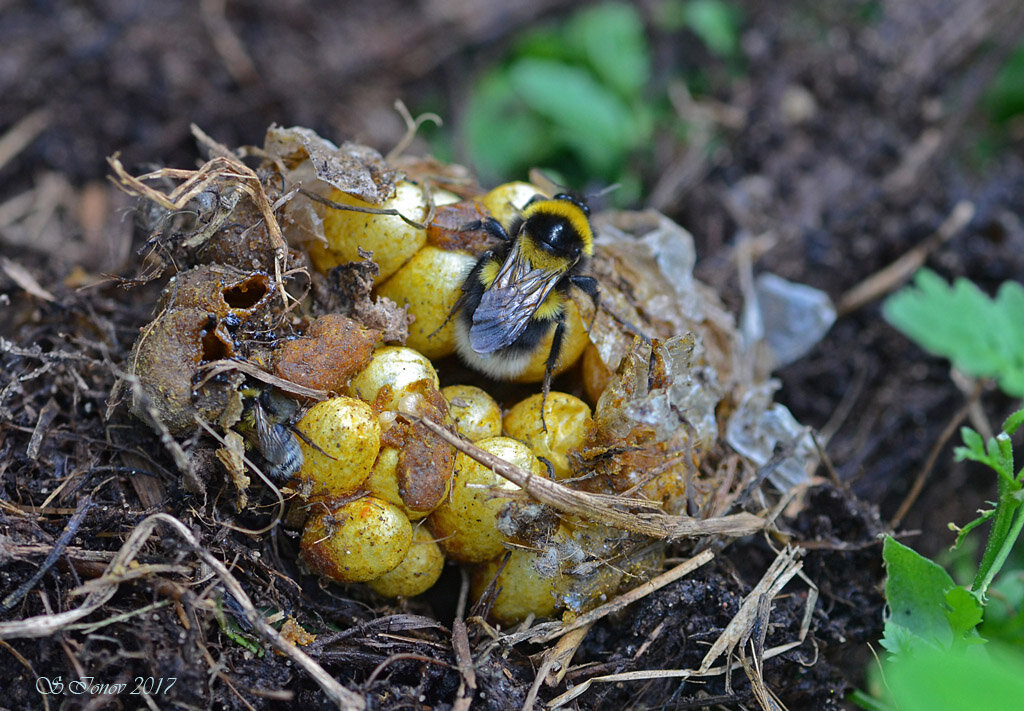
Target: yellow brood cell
<point>507,201</point>
<point>383,483</point>
<point>476,414</point>
<point>344,440</point>
<point>417,572</point>
<point>567,419</point>
<point>392,240</point>
<point>396,367</point>
<point>596,375</point>
<point>522,590</point>
<point>429,284</point>
<point>466,524</point>
<point>574,341</point>
<point>358,541</point>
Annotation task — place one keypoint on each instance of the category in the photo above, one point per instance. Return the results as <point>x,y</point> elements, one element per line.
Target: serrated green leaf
<point>915,591</point>
<point>964,613</point>
<point>965,681</point>
<point>973,441</point>
<point>983,337</point>
<point>612,39</point>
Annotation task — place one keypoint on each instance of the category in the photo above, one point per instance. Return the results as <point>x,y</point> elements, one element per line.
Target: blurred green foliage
<point>970,637</point>
<point>570,98</point>
<point>716,23</point>
<point>983,337</point>
<point>576,98</point>
<point>1005,97</point>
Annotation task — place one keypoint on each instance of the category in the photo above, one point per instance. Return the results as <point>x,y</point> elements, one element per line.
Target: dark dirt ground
<point>881,160</point>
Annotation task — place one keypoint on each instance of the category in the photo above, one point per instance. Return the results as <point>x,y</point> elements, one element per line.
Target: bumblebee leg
<point>549,466</point>
<point>589,286</point>
<point>553,354</point>
<point>461,301</point>
<point>488,225</point>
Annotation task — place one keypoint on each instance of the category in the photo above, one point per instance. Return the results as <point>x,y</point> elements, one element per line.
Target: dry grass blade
<point>20,276</point>
<point>781,571</point>
<point>635,594</point>
<point>749,624</point>
<point>21,134</point>
<point>896,274</point>
<point>217,367</point>
<point>222,169</point>
<point>46,625</point>
<point>464,658</point>
<point>598,508</point>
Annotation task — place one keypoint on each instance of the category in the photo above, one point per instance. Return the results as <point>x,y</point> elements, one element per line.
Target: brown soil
<point>886,152</point>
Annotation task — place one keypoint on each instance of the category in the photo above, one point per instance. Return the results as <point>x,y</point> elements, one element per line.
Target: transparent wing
<point>507,306</point>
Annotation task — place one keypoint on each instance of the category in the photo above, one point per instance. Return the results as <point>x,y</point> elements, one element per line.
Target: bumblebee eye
<point>575,200</point>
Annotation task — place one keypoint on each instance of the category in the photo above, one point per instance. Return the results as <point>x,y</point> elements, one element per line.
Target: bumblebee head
<point>559,227</point>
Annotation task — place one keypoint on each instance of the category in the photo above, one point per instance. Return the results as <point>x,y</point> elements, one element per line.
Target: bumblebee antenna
<point>604,191</point>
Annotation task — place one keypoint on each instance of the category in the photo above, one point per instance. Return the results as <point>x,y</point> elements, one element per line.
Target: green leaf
<point>967,528</point>
<point>547,43</point>
<point>975,444</point>
<point>501,135</point>
<point>983,337</point>
<point>1005,97</point>
<point>1013,422</point>
<point>612,39</point>
<point>916,593</point>
<point>592,121</point>
<point>964,614</point>
<point>965,681</point>
<point>716,23</point>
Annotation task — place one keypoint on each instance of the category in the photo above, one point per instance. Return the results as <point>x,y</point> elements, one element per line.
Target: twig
<point>387,211</point>
<point>412,125</point>
<point>780,572</point>
<point>464,658</point>
<point>47,625</point>
<point>641,591</point>
<point>21,134</point>
<point>885,280</point>
<point>227,365</point>
<point>226,43</point>
<point>926,470</point>
<point>595,507</point>
<point>70,529</point>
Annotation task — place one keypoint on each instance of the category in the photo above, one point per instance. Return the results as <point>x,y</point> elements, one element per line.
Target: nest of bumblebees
<point>386,438</point>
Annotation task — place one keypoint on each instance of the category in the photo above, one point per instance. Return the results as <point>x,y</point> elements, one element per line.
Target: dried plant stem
<point>47,625</point>
<point>684,568</point>
<point>596,507</point>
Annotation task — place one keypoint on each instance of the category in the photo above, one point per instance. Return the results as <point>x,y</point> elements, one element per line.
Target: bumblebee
<point>516,293</point>
<point>262,425</point>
